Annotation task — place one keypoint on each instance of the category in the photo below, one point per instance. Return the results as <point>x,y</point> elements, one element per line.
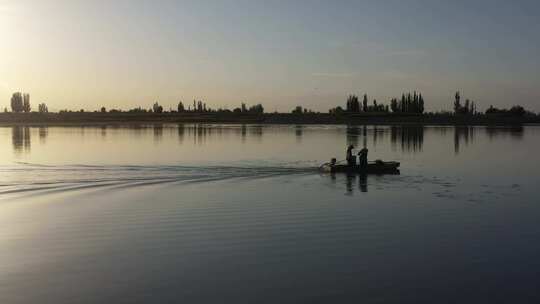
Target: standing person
<point>351,159</point>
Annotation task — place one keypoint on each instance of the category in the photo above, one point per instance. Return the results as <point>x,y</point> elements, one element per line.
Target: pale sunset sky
<point>123,54</point>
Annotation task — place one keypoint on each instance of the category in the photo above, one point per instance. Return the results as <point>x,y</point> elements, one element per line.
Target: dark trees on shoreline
<point>410,103</point>
<point>353,105</point>
<point>180,107</point>
<point>16,102</point>
<point>20,102</point>
<point>513,111</point>
<point>42,108</point>
<point>255,109</point>
<point>157,108</point>
<point>467,109</point>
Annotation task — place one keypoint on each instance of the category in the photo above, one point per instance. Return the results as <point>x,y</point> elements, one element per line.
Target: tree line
<point>414,103</point>
<point>198,107</point>
<point>408,103</point>
<point>468,108</point>
<point>20,103</point>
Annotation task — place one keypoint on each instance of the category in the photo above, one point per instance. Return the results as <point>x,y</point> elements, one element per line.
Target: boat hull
<point>372,168</point>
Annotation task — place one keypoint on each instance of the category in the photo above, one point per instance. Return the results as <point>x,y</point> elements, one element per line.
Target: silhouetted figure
<point>362,155</point>
<point>351,159</point>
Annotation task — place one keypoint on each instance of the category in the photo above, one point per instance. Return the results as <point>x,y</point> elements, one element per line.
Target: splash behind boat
<point>376,167</point>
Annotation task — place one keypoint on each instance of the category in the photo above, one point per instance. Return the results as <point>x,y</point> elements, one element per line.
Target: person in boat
<point>351,159</point>
<point>362,155</point>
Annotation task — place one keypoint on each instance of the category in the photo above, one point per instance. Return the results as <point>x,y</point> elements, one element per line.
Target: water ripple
<point>26,177</point>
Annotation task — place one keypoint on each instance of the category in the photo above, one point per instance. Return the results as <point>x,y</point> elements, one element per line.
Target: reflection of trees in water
<point>466,134</point>
<point>43,133</point>
<point>21,139</point>
<point>299,132</point>
<point>462,134</point>
<point>103,131</point>
<point>243,132</point>
<point>202,132</point>
<point>353,135</point>
<point>198,132</point>
<point>158,132</point>
<point>256,132</point>
<point>137,129</point>
<point>181,132</point>
<point>440,130</point>
<point>515,132</point>
<point>379,134</point>
<point>410,138</point>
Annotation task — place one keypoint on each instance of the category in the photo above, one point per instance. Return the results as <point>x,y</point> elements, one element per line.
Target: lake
<point>240,214</point>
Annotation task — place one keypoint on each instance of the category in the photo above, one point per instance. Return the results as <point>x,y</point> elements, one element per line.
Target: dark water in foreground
<point>239,214</point>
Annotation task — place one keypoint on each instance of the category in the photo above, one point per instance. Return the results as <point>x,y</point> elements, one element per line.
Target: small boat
<point>376,167</point>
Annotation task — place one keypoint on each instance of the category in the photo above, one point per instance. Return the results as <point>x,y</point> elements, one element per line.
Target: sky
<point>74,54</point>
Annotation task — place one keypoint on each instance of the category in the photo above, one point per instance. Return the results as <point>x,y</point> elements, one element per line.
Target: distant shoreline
<point>126,118</point>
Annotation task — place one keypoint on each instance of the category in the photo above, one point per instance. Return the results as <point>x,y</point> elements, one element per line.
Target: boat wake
<point>32,178</point>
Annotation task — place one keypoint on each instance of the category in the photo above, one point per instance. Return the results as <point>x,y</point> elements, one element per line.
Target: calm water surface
<point>239,214</point>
